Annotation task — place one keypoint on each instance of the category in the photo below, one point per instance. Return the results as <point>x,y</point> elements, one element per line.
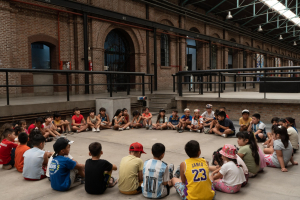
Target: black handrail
<point>231,72</point>
<point>68,72</point>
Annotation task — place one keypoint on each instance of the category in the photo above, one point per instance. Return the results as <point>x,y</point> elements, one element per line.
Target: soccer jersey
<point>198,185</point>
<point>155,172</point>
<point>174,120</point>
<point>197,122</point>
<point>259,126</point>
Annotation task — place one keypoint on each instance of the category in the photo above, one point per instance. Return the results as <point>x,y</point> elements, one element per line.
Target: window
<point>164,50</point>
<point>277,64</point>
<point>40,56</point>
<point>245,55</point>
<point>214,52</point>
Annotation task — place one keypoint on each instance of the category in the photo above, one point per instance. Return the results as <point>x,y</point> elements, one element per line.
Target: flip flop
<point>110,185</point>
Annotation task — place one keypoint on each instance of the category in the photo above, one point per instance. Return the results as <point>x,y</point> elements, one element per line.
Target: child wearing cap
<point>162,120</point>
<point>224,126</point>
<point>173,120</point>
<point>131,170</point>
<point>258,128</point>
<point>185,120</point>
<point>157,174</point>
<point>245,120</point>
<point>208,115</point>
<point>97,171</point>
<point>197,122</point>
<point>36,160</point>
<point>230,177</point>
<point>194,173</point>
<point>63,170</point>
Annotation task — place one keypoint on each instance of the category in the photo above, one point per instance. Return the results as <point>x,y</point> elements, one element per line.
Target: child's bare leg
<point>60,128</point>
<point>149,122</point>
<point>51,133</point>
<point>269,150</point>
<point>83,128</point>
<point>117,126</point>
<point>216,131</point>
<point>126,125</point>
<point>46,135</point>
<point>105,126</point>
<point>227,132</point>
<point>97,125</point>
<point>91,126</point>
<point>164,126</point>
<point>75,128</point>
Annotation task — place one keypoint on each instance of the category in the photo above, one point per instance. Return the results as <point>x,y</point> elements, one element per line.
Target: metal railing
<point>109,75</point>
<point>260,73</point>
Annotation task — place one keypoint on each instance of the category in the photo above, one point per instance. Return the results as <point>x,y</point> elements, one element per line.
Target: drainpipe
<point>76,53</point>
<point>58,35</point>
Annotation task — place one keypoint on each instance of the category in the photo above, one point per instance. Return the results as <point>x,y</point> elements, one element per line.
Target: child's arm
<point>89,121</point>
<point>79,166</point>
<point>114,167</point>
<point>182,170</point>
<point>257,132</point>
<point>75,124</point>
<point>280,160</point>
<point>46,156</point>
<point>140,176</point>
<point>83,121</point>
<point>250,127</point>
<point>150,116</point>
<point>241,155</point>
<point>216,176</point>
<point>223,127</point>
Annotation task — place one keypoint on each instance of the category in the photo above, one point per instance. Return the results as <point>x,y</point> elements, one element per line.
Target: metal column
<point>155,59</point>
<point>86,53</point>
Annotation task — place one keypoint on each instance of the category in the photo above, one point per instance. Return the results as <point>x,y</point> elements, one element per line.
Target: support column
<point>155,59</point>
<point>86,53</point>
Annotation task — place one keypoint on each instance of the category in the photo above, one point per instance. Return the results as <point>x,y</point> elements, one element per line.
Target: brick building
<point>120,45</point>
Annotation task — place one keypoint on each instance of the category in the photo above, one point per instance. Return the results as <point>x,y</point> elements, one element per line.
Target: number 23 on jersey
<point>199,175</point>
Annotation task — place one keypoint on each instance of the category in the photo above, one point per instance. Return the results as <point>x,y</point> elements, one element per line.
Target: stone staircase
<point>162,101</point>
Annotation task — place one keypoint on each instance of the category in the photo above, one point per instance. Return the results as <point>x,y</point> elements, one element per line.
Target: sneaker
<point>87,129</point>
<point>94,130</point>
<point>98,130</point>
<point>147,127</point>
<point>180,131</point>
<point>150,127</point>
<point>177,172</point>
<point>177,129</point>
<point>121,129</point>
<point>7,167</point>
<point>191,130</point>
<point>128,128</point>
<point>171,170</point>
<point>206,131</point>
<point>77,131</point>
<point>224,135</point>
<point>199,131</point>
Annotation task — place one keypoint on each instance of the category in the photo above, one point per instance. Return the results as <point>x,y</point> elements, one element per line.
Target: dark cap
<point>61,144</point>
<point>162,110</point>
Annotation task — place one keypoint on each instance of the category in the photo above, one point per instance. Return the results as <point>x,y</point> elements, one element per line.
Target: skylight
<point>280,8</point>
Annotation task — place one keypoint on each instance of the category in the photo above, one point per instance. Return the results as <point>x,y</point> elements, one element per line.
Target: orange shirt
<point>19,159</point>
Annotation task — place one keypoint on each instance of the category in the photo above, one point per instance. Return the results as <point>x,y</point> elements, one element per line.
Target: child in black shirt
<point>98,171</point>
<point>224,127</point>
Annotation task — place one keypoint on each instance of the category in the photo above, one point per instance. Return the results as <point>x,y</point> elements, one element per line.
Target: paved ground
<point>271,184</point>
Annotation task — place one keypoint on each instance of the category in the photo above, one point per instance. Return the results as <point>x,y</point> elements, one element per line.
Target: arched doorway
<point>119,56</point>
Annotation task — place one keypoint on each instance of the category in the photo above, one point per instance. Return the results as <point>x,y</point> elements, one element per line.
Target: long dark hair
<point>290,121</point>
<point>251,141</point>
<point>116,114</point>
<point>158,117</point>
<point>282,131</point>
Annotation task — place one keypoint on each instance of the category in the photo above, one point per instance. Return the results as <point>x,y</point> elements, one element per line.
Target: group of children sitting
<point>230,168</point>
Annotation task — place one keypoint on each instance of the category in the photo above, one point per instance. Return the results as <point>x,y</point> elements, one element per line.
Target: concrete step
<point>162,100</point>
<point>167,96</point>
<point>162,105</point>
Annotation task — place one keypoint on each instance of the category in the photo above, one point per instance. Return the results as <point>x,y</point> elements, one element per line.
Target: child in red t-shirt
<point>78,122</point>
<point>39,125</point>
<point>7,149</point>
<point>147,116</point>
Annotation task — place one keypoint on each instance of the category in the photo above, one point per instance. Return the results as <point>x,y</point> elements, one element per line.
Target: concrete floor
<point>271,184</point>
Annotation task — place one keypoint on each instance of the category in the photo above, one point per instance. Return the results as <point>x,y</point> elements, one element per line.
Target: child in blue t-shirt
<point>185,120</point>
<point>173,120</point>
<point>63,170</point>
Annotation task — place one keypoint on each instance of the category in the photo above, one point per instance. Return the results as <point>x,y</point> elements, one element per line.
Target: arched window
<point>164,50</point>
<point>40,54</point>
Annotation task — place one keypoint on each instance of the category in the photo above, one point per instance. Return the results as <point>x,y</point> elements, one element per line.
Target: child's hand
<point>284,169</point>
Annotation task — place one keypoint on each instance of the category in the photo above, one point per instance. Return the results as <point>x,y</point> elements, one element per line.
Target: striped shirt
<point>155,172</point>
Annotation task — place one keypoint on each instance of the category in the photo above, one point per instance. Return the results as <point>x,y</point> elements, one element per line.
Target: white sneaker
<point>87,129</point>
<point>127,128</point>
<point>94,130</point>
<point>121,129</point>
<point>199,131</point>
<point>98,130</point>
<point>191,130</point>
<point>224,135</point>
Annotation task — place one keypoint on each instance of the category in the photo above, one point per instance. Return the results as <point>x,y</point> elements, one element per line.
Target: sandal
<point>49,139</point>
<point>110,185</point>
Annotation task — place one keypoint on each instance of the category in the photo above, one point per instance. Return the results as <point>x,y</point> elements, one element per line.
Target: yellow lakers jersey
<point>198,182</point>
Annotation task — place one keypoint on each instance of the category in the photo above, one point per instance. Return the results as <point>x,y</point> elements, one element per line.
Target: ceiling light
<point>260,29</point>
<point>280,37</point>
<point>229,16</point>
<point>295,44</point>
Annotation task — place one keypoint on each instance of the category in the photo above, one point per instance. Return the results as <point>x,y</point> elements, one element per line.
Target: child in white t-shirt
<point>208,116</point>
<point>162,121</point>
<point>230,177</point>
<point>197,122</point>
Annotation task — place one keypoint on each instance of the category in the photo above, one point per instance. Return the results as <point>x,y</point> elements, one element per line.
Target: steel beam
<point>142,22</point>
<point>215,6</point>
<point>184,2</point>
<point>240,8</point>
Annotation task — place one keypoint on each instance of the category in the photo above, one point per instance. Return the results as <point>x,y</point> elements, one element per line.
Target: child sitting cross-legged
<point>162,120</point>
<point>258,128</point>
<point>105,123</point>
<point>98,171</point>
<point>224,126</point>
<point>173,120</point>
<point>197,122</point>
<point>62,125</point>
<point>245,120</point>
<point>213,123</point>
<point>289,124</point>
<point>20,150</point>
<point>268,145</point>
<point>147,117</point>
<point>64,171</point>
<point>36,160</point>
<point>185,120</point>
<point>131,171</point>
<point>18,130</point>
<point>39,126</point>
<point>118,121</point>
<point>22,123</point>
<point>249,152</point>
<point>208,116</point>
<point>283,150</point>
<point>126,121</point>
<point>230,177</point>
<point>7,149</point>
<point>137,121</point>
<point>195,183</point>
<point>50,127</point>
<point>78,122</point>
<point>157,174</point>
<point>93,121</point>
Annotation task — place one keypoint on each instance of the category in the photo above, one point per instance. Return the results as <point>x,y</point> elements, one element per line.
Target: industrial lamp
<point>229,16</point>
<point>260,29</point>
<point>280,37</point>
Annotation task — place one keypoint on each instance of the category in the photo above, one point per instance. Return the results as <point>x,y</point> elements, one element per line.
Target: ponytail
<point>282,131</point>
<point>251,141</point>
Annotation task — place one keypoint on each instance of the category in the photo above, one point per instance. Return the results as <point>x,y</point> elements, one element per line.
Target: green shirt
<point>249,159</point>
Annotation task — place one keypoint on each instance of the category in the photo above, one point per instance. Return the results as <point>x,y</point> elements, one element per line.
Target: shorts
<point>269,162</point>
<point>259,139</point>
<point>174,123</point>
<point>73,175</point>
<point>137,191</point>
<point>231,134</point>
<point>221,186</point>
<point>180,189</point>
<point>42,176</point>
